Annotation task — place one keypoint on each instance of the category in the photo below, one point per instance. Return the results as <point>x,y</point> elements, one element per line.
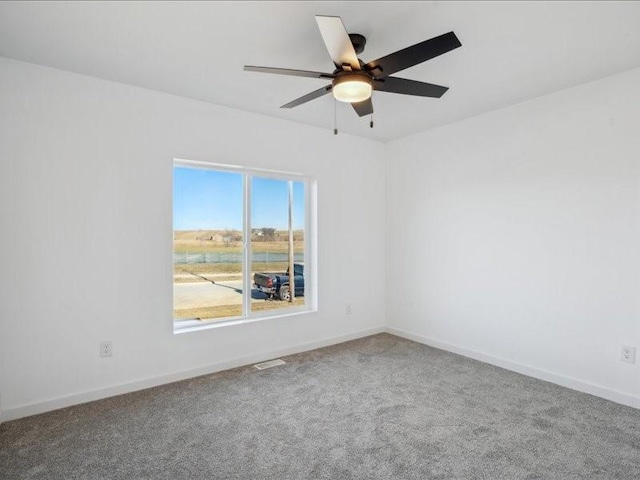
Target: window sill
<point>186,326</point>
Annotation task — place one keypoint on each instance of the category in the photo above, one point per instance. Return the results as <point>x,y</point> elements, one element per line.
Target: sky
<point>206,199</point>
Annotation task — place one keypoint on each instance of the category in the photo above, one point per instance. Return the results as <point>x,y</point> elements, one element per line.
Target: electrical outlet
<point>347,309</point>
<point>628,354</point>
<point>106,349</point>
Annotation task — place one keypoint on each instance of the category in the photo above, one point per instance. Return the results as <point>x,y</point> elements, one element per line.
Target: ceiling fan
<point>353,81</point>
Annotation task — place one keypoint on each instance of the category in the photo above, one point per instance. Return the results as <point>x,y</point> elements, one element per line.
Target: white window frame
<point>310,247</point>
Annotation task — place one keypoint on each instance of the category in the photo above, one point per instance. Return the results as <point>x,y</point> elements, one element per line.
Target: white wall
<point>514,237</point>
<point>85,203</point>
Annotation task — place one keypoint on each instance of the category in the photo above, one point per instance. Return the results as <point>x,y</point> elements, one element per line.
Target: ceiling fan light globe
<point>352,90</point>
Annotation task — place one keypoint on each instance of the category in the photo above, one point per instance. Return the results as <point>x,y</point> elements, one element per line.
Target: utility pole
<point>292,280</point>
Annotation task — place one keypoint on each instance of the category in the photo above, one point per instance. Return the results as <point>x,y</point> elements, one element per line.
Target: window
<point>237,234</point>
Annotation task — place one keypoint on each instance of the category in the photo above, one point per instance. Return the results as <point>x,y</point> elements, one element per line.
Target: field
<point>230,241</point>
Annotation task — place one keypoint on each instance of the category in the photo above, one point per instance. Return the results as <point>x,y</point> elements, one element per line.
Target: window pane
<point>207,244</point>
<point>270,244</point>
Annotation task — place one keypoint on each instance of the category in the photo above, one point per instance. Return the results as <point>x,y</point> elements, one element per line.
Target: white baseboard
<point>575,384</point>
<point>89,396</point>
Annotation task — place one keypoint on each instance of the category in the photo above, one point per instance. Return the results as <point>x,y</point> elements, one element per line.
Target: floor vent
<point>269,364</point>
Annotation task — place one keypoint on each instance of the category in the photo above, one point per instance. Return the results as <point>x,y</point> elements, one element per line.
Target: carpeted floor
<point>376,408</point>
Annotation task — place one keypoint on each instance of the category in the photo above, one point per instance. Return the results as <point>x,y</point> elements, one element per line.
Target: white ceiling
<point>511,51</point>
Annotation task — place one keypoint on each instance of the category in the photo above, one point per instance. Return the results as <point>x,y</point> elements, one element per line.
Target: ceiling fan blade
<point>288,71</point>
<point>410,56</point>
<point>409,87</point>
<point>337,41</point>
<point>308,97</point>
<point>363,108</point>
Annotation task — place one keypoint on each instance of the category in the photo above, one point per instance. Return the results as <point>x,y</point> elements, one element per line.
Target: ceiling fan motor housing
<point>354,75</point>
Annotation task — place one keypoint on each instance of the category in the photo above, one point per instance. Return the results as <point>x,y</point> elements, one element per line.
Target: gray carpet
<point>376,408</point>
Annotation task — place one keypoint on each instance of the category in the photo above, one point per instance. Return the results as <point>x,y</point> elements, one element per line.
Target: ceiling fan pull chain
<point>371,122</point>
<point>335,117</point>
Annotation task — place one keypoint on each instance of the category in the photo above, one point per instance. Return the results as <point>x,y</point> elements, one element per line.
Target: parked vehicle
<point>276,285</point>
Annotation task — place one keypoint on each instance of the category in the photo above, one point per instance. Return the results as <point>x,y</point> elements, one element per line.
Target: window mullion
<point>246,235</point>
